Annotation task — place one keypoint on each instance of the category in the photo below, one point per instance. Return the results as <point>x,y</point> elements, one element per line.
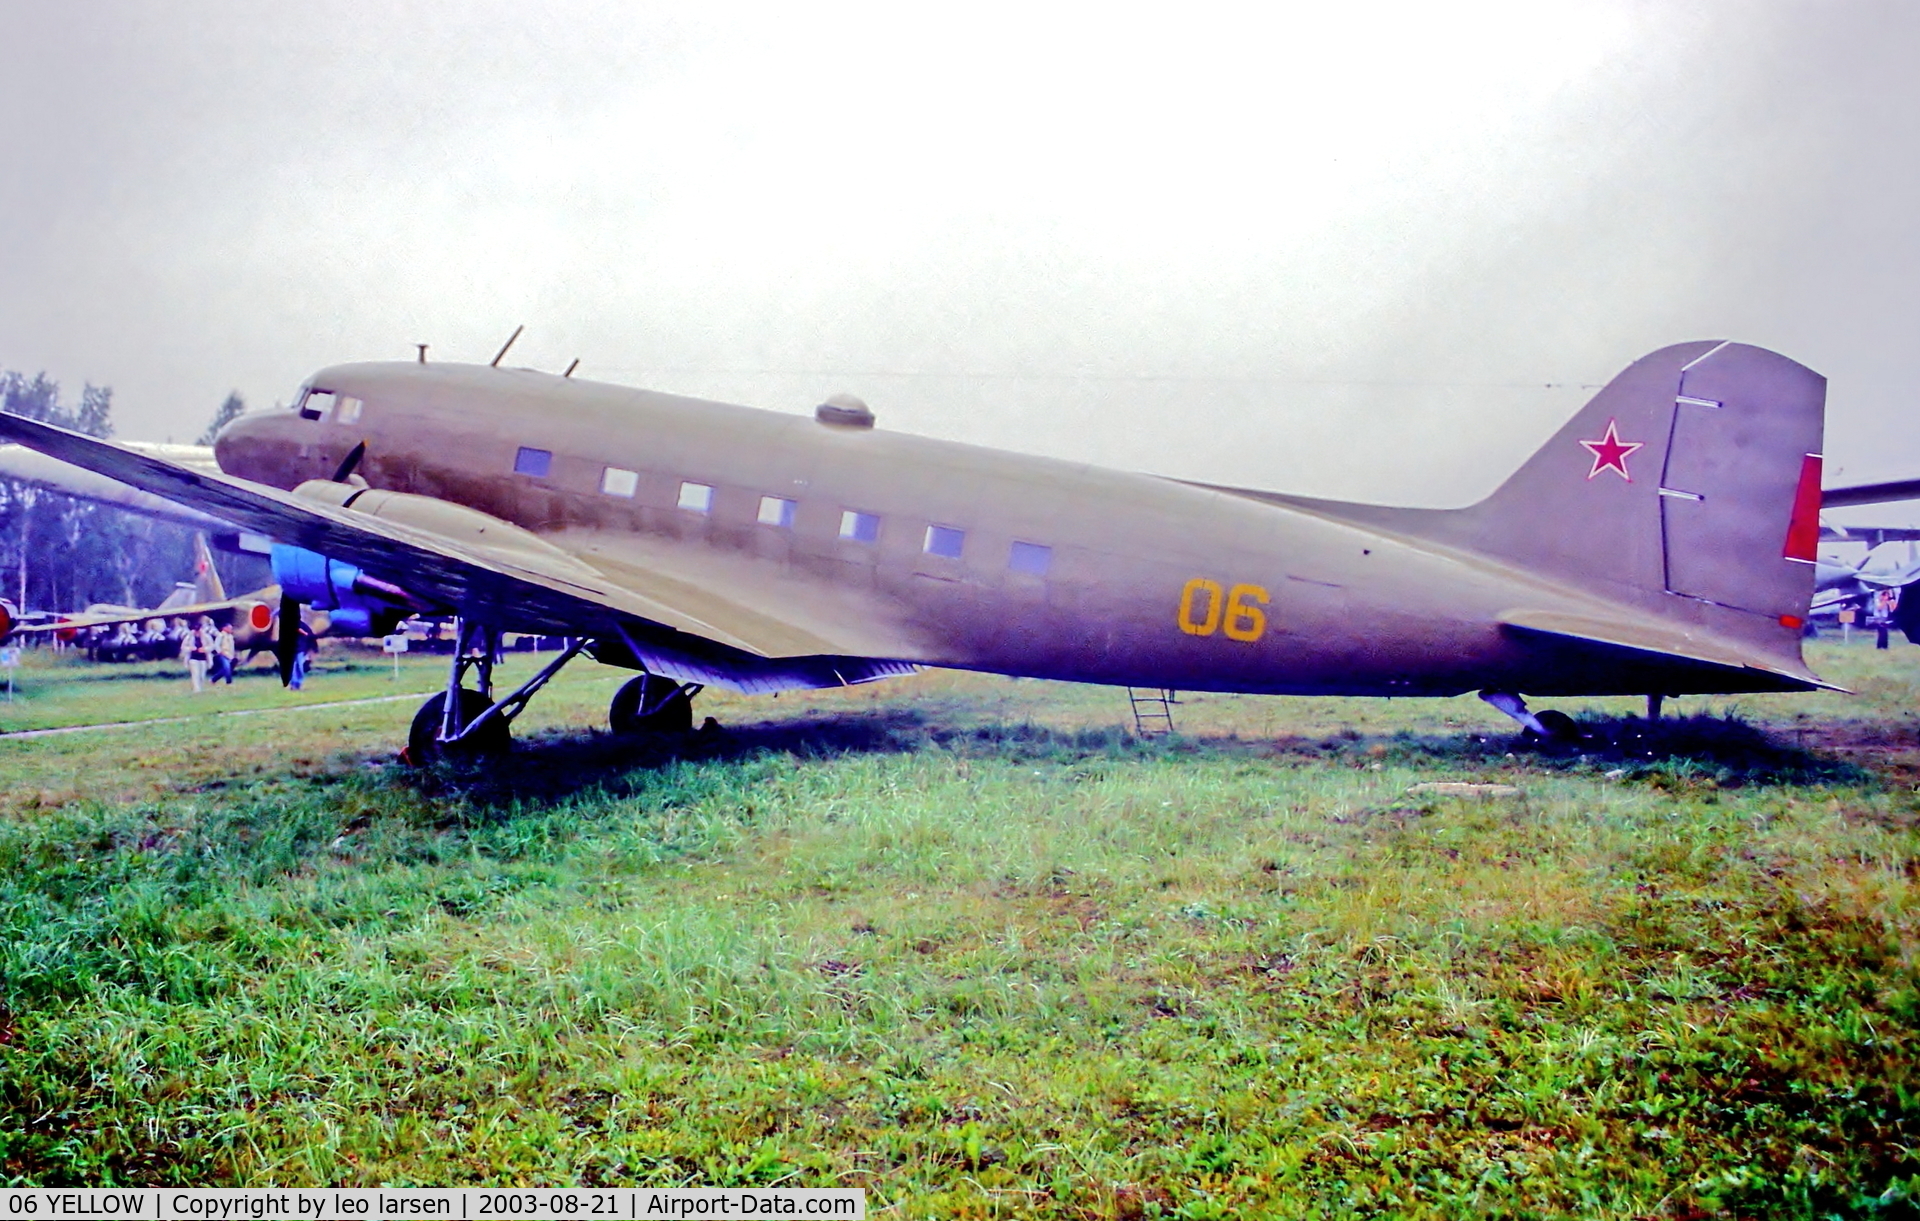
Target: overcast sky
<point>1377,251</point>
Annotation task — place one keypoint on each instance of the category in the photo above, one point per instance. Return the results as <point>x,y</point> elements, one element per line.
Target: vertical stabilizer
<point>207,586</point>
<point>1689,486</point>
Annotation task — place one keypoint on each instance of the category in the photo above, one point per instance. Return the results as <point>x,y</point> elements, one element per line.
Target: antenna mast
<point>495,362</point>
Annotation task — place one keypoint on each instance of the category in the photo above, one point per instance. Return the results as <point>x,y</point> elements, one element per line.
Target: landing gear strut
<point>1548,724</point>
<point>467,722</point>
<point>653,703</point>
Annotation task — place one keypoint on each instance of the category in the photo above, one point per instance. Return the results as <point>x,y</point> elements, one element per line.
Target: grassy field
<point>967,943</point>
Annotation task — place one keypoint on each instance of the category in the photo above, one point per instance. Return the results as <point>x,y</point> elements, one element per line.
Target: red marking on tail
<point>1803,531</point>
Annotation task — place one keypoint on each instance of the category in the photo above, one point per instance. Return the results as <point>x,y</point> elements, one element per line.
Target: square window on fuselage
<point>618,482</point>
<point>776,511</point>
<point>696,497</point>
<point>346,410</point>
<point>859,527</point>
<point>946,541</point>
<point>1030,558</point>
<point>535,462</point>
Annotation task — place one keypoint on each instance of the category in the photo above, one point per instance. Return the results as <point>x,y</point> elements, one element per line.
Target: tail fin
<point>207,586</point>
<point>1689,486</point>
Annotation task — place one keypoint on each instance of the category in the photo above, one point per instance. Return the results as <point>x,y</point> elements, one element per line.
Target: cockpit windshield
<point>315,403</point>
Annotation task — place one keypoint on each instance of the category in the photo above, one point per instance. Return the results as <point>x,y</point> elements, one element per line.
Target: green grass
<point>51,691</point>
<point>968,944</point>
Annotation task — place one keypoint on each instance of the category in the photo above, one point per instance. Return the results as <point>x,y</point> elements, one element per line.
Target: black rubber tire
<point>674,713</point>
<point>1559,726</point>
<point>423,739</point>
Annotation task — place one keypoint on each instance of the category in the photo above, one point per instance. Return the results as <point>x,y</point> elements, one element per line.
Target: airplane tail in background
<point>207,586</point>
<point>1689,487</point>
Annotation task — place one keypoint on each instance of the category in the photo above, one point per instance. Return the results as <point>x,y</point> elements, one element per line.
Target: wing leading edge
<point>630,628</point>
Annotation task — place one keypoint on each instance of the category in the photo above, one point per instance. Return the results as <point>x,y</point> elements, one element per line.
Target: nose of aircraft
<point>257,446</point>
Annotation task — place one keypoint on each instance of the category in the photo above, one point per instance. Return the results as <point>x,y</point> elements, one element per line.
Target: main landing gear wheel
<point>651,704</point>
<point>423,740</point>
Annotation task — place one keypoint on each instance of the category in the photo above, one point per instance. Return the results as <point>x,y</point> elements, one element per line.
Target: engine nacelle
<point>356,604</point>
<point>310,577</point>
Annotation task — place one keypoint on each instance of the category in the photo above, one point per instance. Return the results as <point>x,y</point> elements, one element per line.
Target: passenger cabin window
<point>946,541</point>
<point>1030,558</point>
<point>696,497</point>
<point>776,511</point>
<point>617,482</point>
<point>315,403</point>
<point>534,462</point>
<point>346,409</point>
<point>860,527</point>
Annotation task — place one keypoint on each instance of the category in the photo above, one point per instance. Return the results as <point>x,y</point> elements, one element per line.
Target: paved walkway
<point>176,720</point>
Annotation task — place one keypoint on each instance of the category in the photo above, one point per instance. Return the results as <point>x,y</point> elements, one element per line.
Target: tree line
<point>60,553</point>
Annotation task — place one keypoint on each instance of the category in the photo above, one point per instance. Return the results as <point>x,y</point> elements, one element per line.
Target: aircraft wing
<point>113,618</point>
<point>41,470</point>
<point>513,590</point>
<point>1870,493</point>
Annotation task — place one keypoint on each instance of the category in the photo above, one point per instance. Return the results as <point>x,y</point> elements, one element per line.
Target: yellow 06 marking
<point>1206,608</point>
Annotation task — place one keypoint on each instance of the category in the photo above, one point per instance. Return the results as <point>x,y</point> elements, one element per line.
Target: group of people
<point>155,640</point>
<point>209,653</point>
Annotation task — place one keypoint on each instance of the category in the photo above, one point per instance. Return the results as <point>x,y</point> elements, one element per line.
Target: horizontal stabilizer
<point>1662,640</point>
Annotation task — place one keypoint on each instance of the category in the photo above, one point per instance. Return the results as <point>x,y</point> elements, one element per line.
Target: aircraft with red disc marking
<point>250,616</point>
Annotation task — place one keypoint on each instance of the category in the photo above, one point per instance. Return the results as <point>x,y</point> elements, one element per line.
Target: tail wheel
<point>651,704</point>
<point>423,740</point>
<point>1559,726</point>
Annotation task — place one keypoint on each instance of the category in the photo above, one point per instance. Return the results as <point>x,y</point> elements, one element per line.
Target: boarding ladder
<point>1152,711</point>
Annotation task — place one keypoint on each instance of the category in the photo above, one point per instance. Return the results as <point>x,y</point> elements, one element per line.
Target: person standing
<point>196,649</point>
<point>306,646</point>
<point>223,655</point>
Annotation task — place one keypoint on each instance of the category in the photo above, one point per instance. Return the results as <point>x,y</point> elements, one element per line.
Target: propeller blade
<point>286,641</point>
<point>349,462</point>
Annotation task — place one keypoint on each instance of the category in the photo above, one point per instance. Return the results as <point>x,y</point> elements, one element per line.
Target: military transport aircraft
<point>1661,543</point>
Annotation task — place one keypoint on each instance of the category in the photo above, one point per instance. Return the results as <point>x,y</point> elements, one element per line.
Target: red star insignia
<point>1610,453</point>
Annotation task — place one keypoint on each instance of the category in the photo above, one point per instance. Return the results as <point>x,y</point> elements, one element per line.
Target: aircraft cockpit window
<point>696,497</point>
<point>776,511</point>
<point>859,527</point>
<point>945,541</point>
<point>618,482</point>
<point>1030,558</point>
<point>315,403</point>
<point>534,462</point>
<point>346,409</point>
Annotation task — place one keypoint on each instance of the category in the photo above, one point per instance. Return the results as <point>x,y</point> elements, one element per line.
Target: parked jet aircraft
<point>1661,543</point>
<point>249,617</point>
<point>253,617</point>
